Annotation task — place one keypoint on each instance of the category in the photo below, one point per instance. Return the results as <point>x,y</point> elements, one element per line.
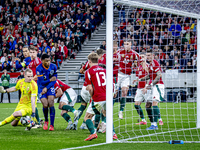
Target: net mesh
<point>173,40</point>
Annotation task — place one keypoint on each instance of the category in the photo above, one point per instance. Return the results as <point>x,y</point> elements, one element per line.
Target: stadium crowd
<point>173,38</point>
<point>58,28</point>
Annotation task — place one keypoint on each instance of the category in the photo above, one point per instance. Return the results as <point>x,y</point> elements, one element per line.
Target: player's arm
<point>147,77</point>
<point>82,71</point>
<point>90,89</point>
<point>12,89</point>
<point>52,82</point>
<point>158,76</point>
<point>59,92</point>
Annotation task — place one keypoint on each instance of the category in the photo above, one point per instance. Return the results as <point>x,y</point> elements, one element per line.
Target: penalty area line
<point>80,147</point>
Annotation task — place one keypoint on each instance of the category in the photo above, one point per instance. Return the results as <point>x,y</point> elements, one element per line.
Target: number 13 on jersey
<point>101,78</point>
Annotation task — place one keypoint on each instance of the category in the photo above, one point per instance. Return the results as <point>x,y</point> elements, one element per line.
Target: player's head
<point>25,51</point>
<point>33,52</point>
<point>100,52</point>
<point>28,75</point>
<point>93,59</point>
<point>127,45</point>
<point>143,57</point>
<point>22,72</point>
<point>149,55</point>
<point>46,60</point>
<point>115,46</point>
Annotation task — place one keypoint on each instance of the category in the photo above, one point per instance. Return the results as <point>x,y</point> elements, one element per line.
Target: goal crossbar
<point>157,8</point>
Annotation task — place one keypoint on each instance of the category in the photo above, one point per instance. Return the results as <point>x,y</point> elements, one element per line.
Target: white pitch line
<point>80,147</point>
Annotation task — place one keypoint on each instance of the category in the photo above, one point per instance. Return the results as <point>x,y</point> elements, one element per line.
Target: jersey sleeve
<point>56,86</point>
<point>17,86</point>
<point>87,78</point>
<point>85,67</point>
<point>34,89</point>
<point>156,67</point>
<point>37,61</point>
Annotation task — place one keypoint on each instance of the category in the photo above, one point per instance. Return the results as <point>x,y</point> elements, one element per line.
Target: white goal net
<point>168,28</point>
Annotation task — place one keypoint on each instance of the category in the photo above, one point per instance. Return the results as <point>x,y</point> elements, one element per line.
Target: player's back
<point>33,65</point>
<point>62,85</point>
<point>97,76</point>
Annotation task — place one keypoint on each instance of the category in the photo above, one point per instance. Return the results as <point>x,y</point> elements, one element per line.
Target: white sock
<point>155,123</point>
<point>160,119</point>
<point>152,123</point>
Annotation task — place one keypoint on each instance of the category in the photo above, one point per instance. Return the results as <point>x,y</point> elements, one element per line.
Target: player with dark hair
<point>156,86</point>
<point>47,76</point>
<point>26,61</point>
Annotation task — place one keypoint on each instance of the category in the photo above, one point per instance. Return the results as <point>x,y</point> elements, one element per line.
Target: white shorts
<point>69,97</point>
<point>85,94</point>
<point>123,80</point>
<point>96,107</point>
<point>156,93</point>
<point>140,97</point>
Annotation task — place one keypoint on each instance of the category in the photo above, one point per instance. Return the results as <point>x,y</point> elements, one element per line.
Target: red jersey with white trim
<point>127,59</point>
<point>86,66</point>
<point>140,73</point>
<point>97,76</point>
<point>60,84</point>
<point>154,67</point>
<point>102,60</point>
<point>33,65</point>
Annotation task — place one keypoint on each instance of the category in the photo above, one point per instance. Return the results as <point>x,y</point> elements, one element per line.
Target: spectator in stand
<point>58,56</point>
<point>88,28</point>
<point>5,78</point>
<point>63,49</point>
<point>79,15</point>
<point>34,40</point>
<point>4,57</point>
<point>175,29</point>
<point>69,45</point>
<point>183,62</point>
<point>189,67</point>
<point>6,64</point>
<point>103,46</point>
<point>44,48</point>
<point>79,36</point>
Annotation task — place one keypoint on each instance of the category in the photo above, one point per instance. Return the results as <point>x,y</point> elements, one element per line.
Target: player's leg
<point>138,100</point>
<point>158,94</point>
<point>125,82</point>
<point>85,98</point>
<point>52,111</point>
<point>149,110</point>
<point>45,112</point>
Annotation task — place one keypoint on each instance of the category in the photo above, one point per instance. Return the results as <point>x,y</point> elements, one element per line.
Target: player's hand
<point>33,118</point>
<point>144,90</point>
<point>35,78</point>
<point>53,79</point>
<point>44,90</point>
<point>81,71</point>
<point>2,90</point>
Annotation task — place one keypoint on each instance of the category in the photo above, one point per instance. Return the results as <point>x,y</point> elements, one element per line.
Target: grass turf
<point>175,116</point>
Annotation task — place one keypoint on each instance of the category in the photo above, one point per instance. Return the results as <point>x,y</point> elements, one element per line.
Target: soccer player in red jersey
<point>95,78</point>
<point>35,61</point>
<point>156,85</point>
<point>126,58</point>
<point>141,72</point>
<point>85,99</point>
<point>67,101</point>
<point>102,57</point>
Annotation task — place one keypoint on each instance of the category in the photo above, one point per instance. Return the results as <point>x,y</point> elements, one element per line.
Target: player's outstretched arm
<point>147,77</point>
<point>12,89</point>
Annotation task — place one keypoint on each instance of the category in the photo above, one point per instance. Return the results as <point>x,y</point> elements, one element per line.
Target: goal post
<point>109,72</point>
<point>183,129</point>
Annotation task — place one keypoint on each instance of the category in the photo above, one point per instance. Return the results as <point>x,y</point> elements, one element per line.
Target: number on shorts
<point>103,77</point>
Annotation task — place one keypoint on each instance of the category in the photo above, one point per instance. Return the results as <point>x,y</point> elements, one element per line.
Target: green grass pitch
<point>175,117</point>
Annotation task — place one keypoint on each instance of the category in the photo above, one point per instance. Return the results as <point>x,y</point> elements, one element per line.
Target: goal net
<point>169,29</point>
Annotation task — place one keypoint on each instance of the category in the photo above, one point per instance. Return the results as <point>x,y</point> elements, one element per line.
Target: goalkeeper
<point>27,103</point>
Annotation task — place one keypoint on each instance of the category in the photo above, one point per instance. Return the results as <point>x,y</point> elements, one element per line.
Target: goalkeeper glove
<point>33,118</point>
<point>2,90</point>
